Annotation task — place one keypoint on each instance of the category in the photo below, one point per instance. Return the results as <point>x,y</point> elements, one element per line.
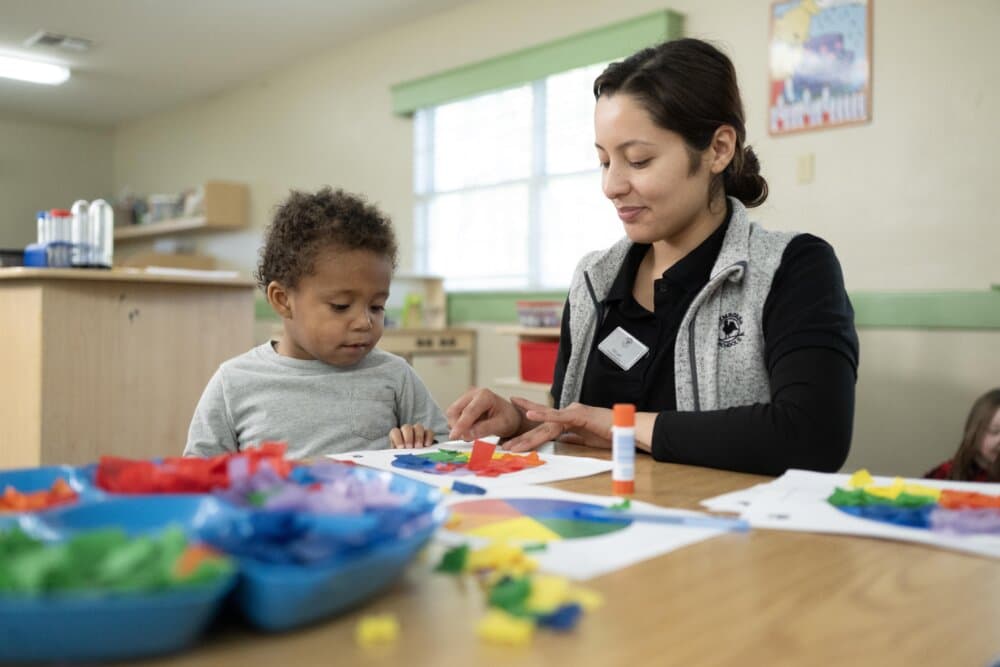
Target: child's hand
<point>411,435</point>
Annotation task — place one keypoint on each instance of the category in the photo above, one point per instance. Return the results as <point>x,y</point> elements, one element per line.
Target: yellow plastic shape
<point>377,629</point>
<point>499,627</point>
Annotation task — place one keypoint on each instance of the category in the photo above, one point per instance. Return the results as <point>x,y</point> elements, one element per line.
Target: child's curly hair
<point>305,224</point>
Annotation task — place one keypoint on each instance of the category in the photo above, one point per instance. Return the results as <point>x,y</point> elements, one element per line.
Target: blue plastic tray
<point>91,628</point>
<point>140,515</point>
<point>272,596</point>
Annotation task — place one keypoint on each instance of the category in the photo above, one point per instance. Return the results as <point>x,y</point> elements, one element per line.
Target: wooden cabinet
<point>110,362</point>
<point>443,358</point>
<point>225,208</point>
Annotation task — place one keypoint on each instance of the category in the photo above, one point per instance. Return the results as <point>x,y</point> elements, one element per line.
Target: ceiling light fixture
<point>33,71</point>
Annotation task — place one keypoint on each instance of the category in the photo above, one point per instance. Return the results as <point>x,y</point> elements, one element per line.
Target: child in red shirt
<point>976,459</point>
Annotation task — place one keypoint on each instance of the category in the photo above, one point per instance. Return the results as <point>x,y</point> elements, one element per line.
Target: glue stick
<point>623,449</point>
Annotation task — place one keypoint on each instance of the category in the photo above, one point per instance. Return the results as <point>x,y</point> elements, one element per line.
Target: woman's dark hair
<point>980,416</point>
<point>689,87</point>
<point>306,224</point>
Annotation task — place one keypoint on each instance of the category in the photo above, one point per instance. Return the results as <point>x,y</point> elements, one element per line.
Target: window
<point>507,186</point>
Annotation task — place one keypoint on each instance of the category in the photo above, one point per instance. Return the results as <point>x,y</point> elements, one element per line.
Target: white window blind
<point>507,186</point>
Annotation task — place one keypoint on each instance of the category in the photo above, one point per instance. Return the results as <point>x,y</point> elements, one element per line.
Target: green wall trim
<point>493,306</point>
<point>894,310</point>
<point>927,310</point>
<point>603,44</point>
<point>956,309</point>
<point>262,309</point>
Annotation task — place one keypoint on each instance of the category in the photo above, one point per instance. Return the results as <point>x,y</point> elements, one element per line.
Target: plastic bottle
<point>82,249</point>
<point>37,254</point>
<point>101,219</point>
<point>623,449</point>
<point>44,234</point>
<point>60,242</point>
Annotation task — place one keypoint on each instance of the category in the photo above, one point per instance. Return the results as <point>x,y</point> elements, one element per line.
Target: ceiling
<point>150,55</point>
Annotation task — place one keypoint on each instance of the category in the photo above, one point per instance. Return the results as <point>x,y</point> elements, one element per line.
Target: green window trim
<point>608,43</point>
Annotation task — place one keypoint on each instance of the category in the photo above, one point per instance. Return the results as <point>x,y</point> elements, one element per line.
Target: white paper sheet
<point>586,557</point>
<point>557,467</point>
<point>734,501</point>
<point>797,501</point>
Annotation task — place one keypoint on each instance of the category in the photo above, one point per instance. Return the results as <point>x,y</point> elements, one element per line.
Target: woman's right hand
<point>479,413</point>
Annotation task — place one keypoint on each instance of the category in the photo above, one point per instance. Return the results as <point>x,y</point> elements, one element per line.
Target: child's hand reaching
<point>410,436</point>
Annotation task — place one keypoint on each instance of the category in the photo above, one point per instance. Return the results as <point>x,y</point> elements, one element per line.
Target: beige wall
<point>46,166</point>
<point>905,191</point>
<point>915,389</point>
<point>903,199</point>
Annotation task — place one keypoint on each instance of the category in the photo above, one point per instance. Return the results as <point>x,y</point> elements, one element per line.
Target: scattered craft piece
<point>470,489</point>
<point>548,593</point>
<point>186,474</point>
<point>563,619</point>
<point>377,629</point>
<point>482,455</point>
<point>60,493</point>
<point>519,599</point>
<point>499,627</point>
<point>502,557</point>
<point>454,560</point>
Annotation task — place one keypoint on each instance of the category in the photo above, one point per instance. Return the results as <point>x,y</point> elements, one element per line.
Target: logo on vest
<point>730,329</point>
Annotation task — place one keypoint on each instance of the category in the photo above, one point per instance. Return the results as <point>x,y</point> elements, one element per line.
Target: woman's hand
<point>576,424</point>
<point>480,412</point>
<point>410,436</point>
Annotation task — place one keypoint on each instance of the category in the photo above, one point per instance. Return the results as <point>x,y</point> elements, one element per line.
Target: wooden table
<point>110,362</point>
<point>762,598</point>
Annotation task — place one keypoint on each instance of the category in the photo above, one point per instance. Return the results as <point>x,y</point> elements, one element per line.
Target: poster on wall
<point>820,64</point>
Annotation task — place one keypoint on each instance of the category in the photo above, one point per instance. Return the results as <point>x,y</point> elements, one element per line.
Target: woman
<point>736,344</point>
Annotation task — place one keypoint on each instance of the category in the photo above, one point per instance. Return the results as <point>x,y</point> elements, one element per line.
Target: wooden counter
<point>763,598</point>
<point>110,362</point>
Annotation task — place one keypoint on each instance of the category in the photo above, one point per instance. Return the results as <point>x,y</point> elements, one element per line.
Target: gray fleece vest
<point>719,354</point>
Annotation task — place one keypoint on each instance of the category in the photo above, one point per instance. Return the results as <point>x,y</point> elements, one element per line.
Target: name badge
<point>623,348</point>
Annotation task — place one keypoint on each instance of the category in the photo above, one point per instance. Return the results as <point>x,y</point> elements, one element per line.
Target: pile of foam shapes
<point>520,599</point>
<point>483,461</point>
<point>918,506</point>
<point>93,558</point>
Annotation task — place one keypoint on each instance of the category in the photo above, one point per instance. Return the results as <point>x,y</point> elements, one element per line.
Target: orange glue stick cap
<point>623,414</point>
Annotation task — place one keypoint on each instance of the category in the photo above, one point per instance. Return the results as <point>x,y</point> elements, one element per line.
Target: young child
<point>977,457</point>
<point>325,266</point>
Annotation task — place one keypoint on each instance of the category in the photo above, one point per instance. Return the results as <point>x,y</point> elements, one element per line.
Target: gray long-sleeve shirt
<point>316,408</point>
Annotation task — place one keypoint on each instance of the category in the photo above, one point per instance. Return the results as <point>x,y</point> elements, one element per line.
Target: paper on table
<point>797,501</point>
<point>586,557</point>
<point>734,501</point>
<point>557,467</point>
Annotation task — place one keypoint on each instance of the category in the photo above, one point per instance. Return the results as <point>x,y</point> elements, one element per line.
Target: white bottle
<point>80,235</point>
<point>101,219</point>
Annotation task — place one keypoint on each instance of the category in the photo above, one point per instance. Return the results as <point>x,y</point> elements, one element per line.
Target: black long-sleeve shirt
<point>810,350</point>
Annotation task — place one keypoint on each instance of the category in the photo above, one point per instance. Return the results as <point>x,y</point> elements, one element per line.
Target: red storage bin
<point>538,360</point>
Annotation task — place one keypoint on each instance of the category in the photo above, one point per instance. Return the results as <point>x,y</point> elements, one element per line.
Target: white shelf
<point>225,207</point>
